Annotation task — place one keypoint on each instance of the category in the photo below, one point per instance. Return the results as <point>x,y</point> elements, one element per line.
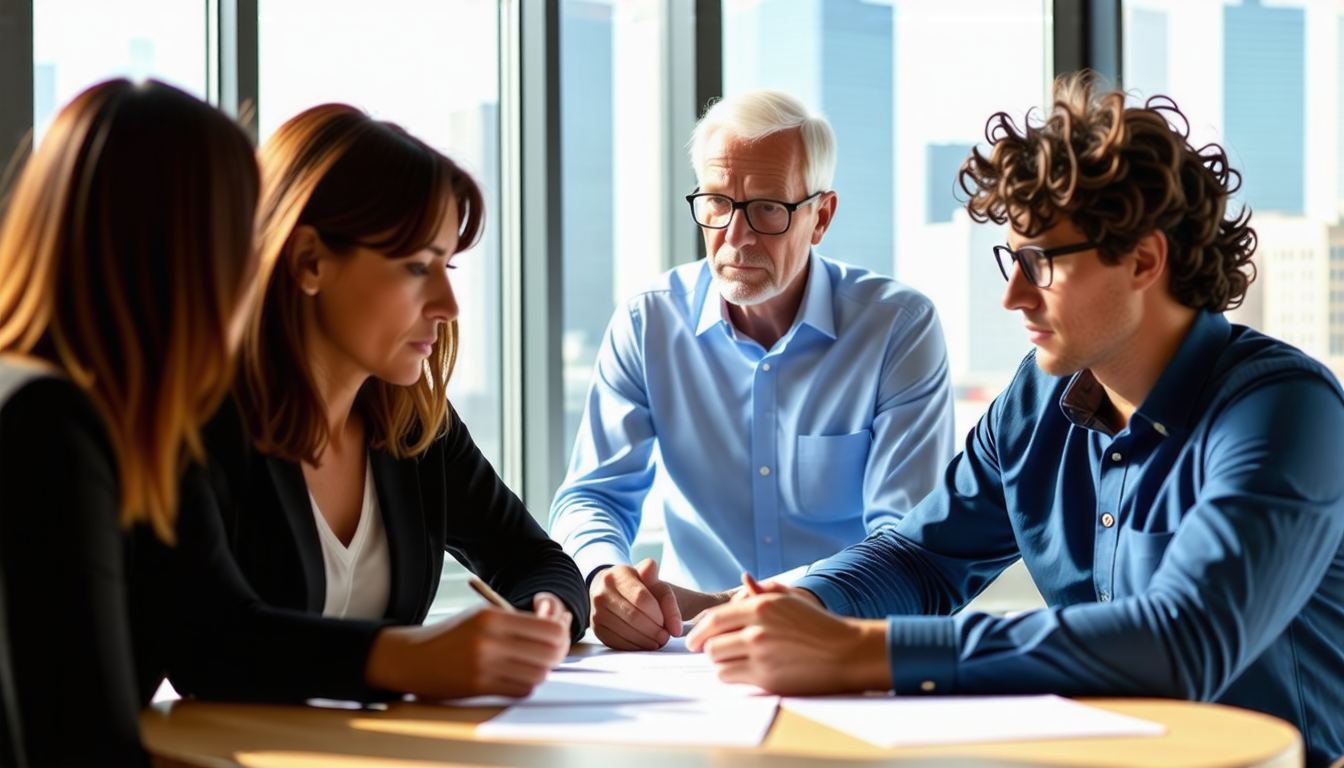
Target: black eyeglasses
<point>766,217</point>
<point>1037,263</point>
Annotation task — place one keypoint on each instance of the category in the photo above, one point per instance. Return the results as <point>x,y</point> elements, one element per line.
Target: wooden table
<point>410,735</point>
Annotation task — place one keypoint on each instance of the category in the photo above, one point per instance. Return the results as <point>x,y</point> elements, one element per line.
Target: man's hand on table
<point>781,639</point>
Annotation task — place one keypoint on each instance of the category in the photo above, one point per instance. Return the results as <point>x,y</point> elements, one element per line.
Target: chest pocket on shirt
<point>830,474</point>
<point>1137,556</point>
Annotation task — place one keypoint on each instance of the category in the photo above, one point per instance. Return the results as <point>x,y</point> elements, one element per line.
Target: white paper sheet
<point>903,722</point>
<point>626,677</point>
<point>712,723</point>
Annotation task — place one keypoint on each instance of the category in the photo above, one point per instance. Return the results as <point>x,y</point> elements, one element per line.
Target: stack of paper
<point>655,697</point>
<point>672,696</point>
<point>701,723</point>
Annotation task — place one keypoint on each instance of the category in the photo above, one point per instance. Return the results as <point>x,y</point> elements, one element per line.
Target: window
<point>880,72</point>
<point>1267,82</point>
<point>77,43</point>
<point>867,66</point>
<point>624,173</point>
<point>432,68</point>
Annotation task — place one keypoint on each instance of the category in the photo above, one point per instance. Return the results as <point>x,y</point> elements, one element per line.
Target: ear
<point>1150,261</point>
<point>303,258</point>
<point>825,214</point>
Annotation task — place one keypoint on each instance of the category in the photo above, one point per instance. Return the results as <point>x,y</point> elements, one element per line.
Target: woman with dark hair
<point>345,474</point>
<point>126,262</point>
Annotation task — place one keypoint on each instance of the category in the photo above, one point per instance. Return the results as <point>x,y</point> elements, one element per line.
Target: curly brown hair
<point>1118,173</point>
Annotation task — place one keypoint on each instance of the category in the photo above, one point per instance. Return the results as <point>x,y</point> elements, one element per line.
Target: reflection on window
<point>613,138</point>
<point>866,65</point>
<point>77,43</point>
<point>432,68</point>
<point>1266,83</point>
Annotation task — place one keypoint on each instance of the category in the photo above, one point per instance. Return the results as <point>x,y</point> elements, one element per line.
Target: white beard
<point>745,294</point>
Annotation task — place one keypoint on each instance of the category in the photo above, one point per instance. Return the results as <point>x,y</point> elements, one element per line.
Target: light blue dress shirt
<point>762,460</point>
<point>1196,554</point>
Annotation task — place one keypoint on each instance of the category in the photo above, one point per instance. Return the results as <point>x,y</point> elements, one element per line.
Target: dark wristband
<point>588,581</point>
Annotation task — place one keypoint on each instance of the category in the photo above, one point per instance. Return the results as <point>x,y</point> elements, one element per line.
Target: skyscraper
<point>837,56</point>
<point>586,136</point>
<point>1264,71</point>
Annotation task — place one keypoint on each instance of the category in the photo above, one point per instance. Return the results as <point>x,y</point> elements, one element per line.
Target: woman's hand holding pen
<point>490,650</point>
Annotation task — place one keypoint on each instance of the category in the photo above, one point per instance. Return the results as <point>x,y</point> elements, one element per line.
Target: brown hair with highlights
<point>125,255</point>
<point>1118,173</point>
<point>358,182</point>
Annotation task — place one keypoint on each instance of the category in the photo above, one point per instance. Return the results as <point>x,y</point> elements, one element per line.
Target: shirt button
<point>1161,430</point>
<point>769,540</point>
<point>1107,520</point>
<point>765,471</point>
<point>1116,456</point>
<point>927,686</point>
<point>1105,596</point>
<point>765,367</point>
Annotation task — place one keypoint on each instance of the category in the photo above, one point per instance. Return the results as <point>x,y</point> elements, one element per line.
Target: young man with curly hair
<point>1171,480</point>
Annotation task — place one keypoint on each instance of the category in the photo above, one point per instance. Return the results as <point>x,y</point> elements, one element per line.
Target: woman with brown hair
<point>126,262</point>
<point>346,475</point>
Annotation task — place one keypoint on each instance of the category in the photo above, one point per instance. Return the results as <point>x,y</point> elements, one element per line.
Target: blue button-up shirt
<point>1195,554</point>
<point>761,459</point>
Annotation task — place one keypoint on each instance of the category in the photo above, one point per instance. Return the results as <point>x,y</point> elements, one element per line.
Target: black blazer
<point>447,500</point>
<point>65,596</point>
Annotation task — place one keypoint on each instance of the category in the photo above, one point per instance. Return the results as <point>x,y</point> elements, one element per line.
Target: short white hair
<point>754,115</point>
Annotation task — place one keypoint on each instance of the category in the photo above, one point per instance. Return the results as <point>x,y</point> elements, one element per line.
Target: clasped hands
<point>771,635</point>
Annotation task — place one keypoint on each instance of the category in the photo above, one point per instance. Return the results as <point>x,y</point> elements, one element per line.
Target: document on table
<point>904,722</point>
<point>669,696</point>
<point>741,722</point>
<point>626,677</point>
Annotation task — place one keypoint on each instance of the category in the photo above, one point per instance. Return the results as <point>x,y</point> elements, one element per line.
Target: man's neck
<point>767,322</point>
<point>1131,376</point>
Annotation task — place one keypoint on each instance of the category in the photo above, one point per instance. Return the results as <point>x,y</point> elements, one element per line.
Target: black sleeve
<point>494,536</point>
<point>61,549</point>
<point>218,639</point>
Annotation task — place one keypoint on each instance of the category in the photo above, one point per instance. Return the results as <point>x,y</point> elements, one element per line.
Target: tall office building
<point>1146,51</point>
<point>943,163</point>
<point>586,137</point>
<point>1264,78</point>
<point>837,56</point>
<point>1300,286</point>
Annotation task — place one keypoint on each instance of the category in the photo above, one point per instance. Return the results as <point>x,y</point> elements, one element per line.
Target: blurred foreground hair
<point>125,253</point>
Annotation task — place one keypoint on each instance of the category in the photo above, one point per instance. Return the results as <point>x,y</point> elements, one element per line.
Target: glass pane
<point>1266,82</point>
<point>904,126</point>
<point>77,43</point>
<point>613,140</point>
<point>901,141</point>
<point>431,67</point>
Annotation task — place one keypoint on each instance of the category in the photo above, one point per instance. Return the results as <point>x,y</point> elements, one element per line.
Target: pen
<point>490,595</point>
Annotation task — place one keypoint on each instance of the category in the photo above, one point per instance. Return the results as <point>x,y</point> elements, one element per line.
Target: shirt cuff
<point>599,555</point>
<point>832,597</point>
<point>923,654</point>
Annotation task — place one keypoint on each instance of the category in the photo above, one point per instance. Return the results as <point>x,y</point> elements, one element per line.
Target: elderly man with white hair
<point>776,404</point>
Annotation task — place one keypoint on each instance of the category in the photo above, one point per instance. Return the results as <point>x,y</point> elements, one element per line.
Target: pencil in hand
<point>490,595</point>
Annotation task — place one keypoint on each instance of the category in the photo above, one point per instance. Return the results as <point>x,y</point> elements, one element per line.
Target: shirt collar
<point>817,308</point>
<point>1173,397</point>
<point>1167,408</point>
